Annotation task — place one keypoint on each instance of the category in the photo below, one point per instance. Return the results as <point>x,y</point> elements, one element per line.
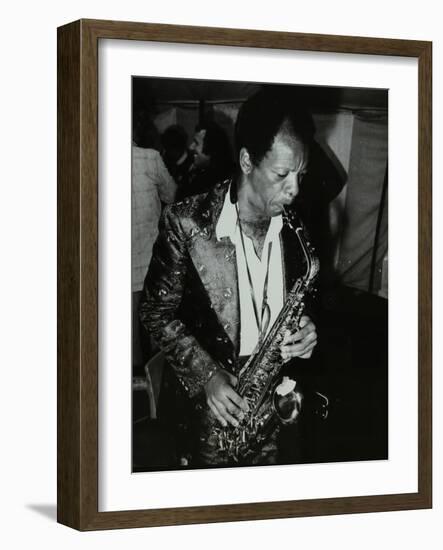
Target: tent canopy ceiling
<point>320,98</point>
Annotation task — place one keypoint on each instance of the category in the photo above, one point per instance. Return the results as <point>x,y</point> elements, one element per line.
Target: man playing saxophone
<point>222,268</point>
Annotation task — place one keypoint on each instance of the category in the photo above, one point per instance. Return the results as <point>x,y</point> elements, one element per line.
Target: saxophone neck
<point>312,264</point>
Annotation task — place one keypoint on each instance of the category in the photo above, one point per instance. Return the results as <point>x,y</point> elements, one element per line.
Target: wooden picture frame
<point>78,274</point>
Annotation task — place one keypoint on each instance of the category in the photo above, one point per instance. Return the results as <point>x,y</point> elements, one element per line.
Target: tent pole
<point>201,111</point>
<point>377,231</point>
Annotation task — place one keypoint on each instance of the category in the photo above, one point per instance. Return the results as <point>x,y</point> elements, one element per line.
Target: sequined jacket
<point>191,302</point>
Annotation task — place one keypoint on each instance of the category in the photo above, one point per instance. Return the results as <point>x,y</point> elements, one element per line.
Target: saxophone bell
<point>287,400</point>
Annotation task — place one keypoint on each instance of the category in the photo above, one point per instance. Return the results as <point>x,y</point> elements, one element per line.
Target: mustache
<point>287,202</point>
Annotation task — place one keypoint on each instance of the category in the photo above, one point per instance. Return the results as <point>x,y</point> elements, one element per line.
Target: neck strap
<point>264,318</point>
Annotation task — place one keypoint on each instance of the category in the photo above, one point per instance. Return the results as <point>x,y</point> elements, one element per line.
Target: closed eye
<point>284,175</point>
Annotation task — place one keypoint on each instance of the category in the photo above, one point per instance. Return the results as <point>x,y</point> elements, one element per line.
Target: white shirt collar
<point>227,222</point>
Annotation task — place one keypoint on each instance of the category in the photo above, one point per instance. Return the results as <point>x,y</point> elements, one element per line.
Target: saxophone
<point>271,401</point>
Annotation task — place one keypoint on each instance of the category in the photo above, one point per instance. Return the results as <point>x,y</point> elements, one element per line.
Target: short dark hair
<point>216,143</point>
<point>262,116</point>
<point>144,131</point>
<point>175,138</point>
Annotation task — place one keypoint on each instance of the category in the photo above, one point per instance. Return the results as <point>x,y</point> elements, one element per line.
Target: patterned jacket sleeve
<point>162,295</point>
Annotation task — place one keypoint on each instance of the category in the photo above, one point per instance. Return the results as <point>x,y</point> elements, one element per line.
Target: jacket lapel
<point>215,263</point>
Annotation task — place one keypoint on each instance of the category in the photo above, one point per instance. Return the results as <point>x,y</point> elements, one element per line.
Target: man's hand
<point>300,343</point>
<point>223,401</point>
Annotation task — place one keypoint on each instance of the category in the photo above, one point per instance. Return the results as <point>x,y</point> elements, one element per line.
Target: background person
<point>152,185</point>
<point>212,159</point>
<point>177,157</point>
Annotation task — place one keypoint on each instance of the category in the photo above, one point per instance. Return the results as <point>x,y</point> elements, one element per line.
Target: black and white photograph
<point>222,229</point>
<point>259,216</point>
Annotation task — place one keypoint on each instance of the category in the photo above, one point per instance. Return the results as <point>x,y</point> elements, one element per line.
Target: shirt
<point>151,184</point>
<point>227,226</point>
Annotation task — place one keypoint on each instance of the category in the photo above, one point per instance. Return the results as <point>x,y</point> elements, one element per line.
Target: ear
<point>245,161</point>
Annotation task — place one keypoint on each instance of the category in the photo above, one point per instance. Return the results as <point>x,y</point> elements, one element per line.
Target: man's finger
<point>304,332</point>
<point>232,408</point>
<point>300,344</point>
<point>297,350</point>
<point>217,415</point>
<point>309,337</point>
<point>237,400</point>
<point>308,352</point>
<point>232,379</point>
<point>225,413</point>
<point>227,398</point>
<point>304,321</point>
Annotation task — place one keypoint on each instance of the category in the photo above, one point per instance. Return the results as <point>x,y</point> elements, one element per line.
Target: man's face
<point>275,181</point>
<point>200,159</point>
